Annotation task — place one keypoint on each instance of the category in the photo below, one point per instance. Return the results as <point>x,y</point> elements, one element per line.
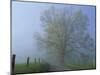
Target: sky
<point>26,21</point>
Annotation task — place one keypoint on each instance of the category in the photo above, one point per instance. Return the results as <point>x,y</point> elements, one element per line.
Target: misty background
<point>26,21</point>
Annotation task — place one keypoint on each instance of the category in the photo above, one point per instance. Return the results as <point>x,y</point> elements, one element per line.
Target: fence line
<point>36,60</point>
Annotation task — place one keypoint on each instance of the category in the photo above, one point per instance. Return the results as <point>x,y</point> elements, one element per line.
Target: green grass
<point>32,68</point>
<point>80,66</point>
<point>44,67</point>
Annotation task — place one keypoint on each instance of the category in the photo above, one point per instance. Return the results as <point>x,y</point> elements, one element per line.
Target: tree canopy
<point>64,31</point>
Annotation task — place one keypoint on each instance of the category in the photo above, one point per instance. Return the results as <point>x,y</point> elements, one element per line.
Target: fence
<point>13,65</point>
<point>27,63</point>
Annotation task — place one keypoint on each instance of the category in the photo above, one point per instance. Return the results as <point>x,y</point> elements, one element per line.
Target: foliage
<point>64,31</point>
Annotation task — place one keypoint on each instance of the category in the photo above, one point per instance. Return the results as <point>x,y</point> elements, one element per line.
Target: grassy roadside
<point>80,66</point>
<point>32,68</point>
<point>44,67</point>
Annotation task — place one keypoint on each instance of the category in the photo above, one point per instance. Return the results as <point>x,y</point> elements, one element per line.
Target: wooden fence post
<point>28,59</point>
<point>34,60</point>
<point>13,64</point>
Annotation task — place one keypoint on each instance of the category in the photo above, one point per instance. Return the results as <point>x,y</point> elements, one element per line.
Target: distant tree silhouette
<point>64,30</point>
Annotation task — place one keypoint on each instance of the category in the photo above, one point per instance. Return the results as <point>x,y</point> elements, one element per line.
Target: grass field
<point>44,67</point>
<point>32,68</point>
<point>80,66</point>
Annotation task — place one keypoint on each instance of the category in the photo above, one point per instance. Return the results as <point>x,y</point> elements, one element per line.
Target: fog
<point>26,21</point>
